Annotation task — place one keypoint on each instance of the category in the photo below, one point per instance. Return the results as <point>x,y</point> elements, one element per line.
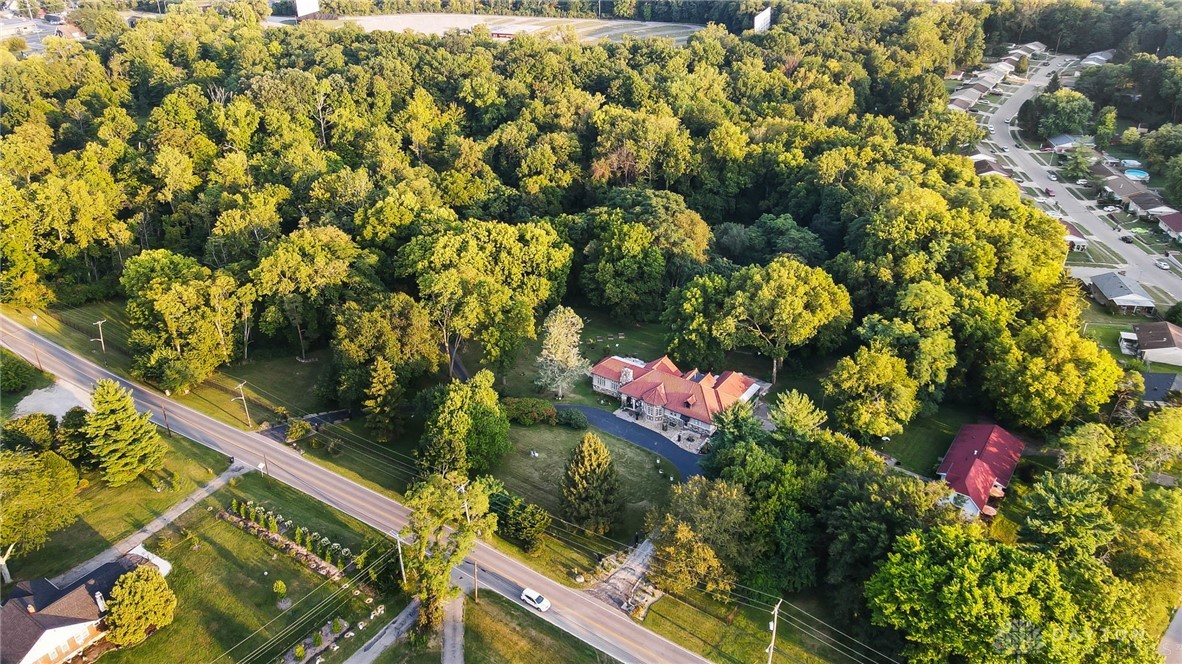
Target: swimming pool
<point>1134,174</point>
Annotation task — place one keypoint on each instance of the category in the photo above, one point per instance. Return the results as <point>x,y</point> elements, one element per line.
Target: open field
<point>110,514</point>
<point>738,634</point>
<point>497,630</point>
<point>585,29</point>
<point>223,580</point>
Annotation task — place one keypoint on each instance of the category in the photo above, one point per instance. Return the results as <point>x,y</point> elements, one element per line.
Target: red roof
<point>1072,229</point>
<point>660,383</point>
<point>1172,221</point>
<point>981,455</point>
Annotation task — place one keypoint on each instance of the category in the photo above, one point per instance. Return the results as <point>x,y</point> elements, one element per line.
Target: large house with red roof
<point>979,465</point>
<point>660,392</point>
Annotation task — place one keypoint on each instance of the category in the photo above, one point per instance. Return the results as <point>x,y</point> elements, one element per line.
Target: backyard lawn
<point>926,439</point>
<point>110,514</point>
<point>223,579</point>
<point>497,630</point>
<point>731,633</point>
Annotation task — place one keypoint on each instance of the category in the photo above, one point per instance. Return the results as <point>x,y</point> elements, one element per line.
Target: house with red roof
<point>660,392</point>
<point>979,465</point>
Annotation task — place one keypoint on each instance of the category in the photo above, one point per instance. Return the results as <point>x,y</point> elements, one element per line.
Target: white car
<point>1112,208</point>
<point>1082,182</point>
<point>1162,264</point>
<point>535,599</point>
<point>1052,177</point>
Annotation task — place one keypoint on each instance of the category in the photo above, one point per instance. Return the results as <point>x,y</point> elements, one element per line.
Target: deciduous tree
<point>140,602</point>
<point>38,500</point>
<point>561,363</point>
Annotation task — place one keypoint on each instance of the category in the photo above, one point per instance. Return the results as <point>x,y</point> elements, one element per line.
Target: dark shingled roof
<point>1159,385</point>
<point>53,607</point>
<point>1147,200</point>
<point>1161,334</point>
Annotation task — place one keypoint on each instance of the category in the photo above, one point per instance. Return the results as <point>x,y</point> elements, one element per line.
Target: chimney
<point>102,604</point>
<point>30,609</point>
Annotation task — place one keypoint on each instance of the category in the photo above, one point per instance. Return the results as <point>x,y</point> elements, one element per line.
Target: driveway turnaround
<point>683,461</point>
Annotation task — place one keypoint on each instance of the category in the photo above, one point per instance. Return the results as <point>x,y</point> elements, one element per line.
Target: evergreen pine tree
<point>124,442</point>
<point>382,398</point>
<point>591,487</point>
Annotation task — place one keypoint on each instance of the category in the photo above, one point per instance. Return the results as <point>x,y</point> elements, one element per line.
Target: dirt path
<point>135,539</point>
<point>387,637</point>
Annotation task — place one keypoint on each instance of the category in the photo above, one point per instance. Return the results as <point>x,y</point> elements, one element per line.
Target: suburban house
<point>979,465</point>
<point>1158,387</point>
<point>1171,224</point>
<point>1098,58</point>
<point>660,392</point>
<point>1121,294</point>
<point>43,624</point>
<point>990,167</point>
<point>959,104</point>
<point>1159,342</point>
<point>1120,188</point>
<point>1065,142</point>
<point>1143,204</point>
<point>1075,238</point>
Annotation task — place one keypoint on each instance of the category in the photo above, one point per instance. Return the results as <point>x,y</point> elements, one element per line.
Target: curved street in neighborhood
<point>591,620</point>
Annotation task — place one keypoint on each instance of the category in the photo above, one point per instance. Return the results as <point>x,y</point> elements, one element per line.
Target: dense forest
<point>789,193</point>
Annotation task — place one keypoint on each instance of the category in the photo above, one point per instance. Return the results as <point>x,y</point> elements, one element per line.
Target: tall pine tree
<point>591,488</point>
<point>382,398</point>
<point>122,441</point>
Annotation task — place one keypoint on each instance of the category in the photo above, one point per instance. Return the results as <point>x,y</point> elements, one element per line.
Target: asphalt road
<point>685,461</point>
<point>1138,264</point>
<point>603,627</point>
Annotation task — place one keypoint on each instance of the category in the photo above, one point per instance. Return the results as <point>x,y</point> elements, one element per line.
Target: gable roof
<point>1121,186</point>
<point>70,31</point>
<point>1172,221</point>
<point>1146,200</point>
<point>1072,230</point>
<point>1162,334</point>
<point>35,607</point>
<point>990,167</point>
<point>980,455</point>
<point>1062,139</point>
<point>1159,385</point>
<point>1122,290</point>
<point>660,383</point>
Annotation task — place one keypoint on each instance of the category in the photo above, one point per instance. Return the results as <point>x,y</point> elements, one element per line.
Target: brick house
<point>660,392</point>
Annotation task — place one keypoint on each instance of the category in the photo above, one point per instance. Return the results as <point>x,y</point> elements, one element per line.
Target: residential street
<point>1138,263</point>
<point>587,618</point>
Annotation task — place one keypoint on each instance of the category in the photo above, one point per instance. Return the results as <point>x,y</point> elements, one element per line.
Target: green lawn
<point>539,479</point>
<point>497,630</point>
<point>8,401</point>
<point>926,439</point>
<point>110,514</point>
<point>223,581</point>
<point>739,634</point>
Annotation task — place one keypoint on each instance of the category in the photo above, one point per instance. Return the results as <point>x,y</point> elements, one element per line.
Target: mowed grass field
<point>497,631</point>
<point>109,514</point>
<point>223,579</point>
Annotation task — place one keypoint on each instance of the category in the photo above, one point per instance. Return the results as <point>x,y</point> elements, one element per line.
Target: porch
<point>688,438</point>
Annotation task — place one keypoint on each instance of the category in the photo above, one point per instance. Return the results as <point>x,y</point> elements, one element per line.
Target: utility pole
<point>100,339</point>
<point>401,567</point>
<point>245,409</point>
<point>475,567</point>
<point>771,649</point>
<point>164,410</point>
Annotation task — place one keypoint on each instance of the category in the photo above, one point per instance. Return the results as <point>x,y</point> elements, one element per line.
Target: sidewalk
<point>387,637</point>
<point>135,539</point>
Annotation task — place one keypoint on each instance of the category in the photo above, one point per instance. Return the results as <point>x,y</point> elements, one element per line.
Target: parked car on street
<point>1050,192</point>
<point>1127,239</point>
<point>1052,177</point>
<point>1083,182</point>
<point>1162,264</point>
<point>535,599</point>
<point>1112,208</point>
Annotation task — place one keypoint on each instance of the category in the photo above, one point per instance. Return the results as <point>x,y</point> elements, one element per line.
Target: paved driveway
<point>686,462</point>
